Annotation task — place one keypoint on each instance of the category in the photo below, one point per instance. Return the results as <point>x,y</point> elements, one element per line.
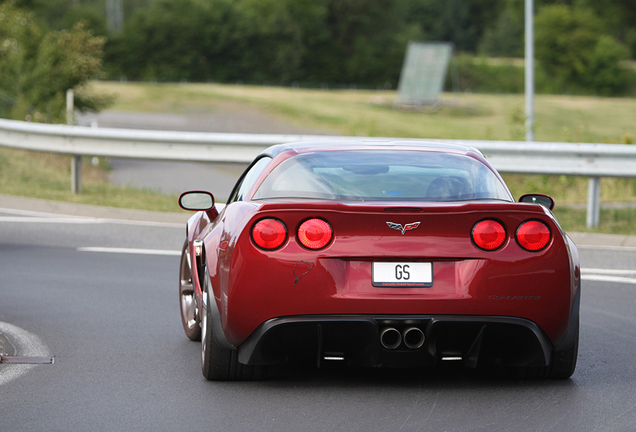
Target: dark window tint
<point>247,180</point>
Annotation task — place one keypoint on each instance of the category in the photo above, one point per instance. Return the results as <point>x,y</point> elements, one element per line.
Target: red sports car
<point>378,254</point>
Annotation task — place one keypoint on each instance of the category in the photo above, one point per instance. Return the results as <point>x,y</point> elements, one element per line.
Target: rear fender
<point>572,333</point>
<point>215,317</point>
<point>575,269</point>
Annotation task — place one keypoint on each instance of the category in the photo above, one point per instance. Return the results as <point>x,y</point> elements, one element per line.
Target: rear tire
<point>564,362</point>
<point>217,362</point>
<point>561,367</point>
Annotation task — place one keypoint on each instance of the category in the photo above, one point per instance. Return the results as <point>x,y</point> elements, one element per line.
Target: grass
<point>613,220</point>
<point>371,113</point>
<point>48,176</point>
<point>361,113</point>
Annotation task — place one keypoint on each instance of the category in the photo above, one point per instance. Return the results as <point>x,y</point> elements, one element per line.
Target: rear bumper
<point>356,340</point>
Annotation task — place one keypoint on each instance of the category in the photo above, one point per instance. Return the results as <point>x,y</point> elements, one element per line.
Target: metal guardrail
<point>587,160</point>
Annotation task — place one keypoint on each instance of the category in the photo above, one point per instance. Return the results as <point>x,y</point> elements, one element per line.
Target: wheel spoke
<point>188,307</point>
<point>187,299</point>
<point>204,326</point>
<point>187,287</point>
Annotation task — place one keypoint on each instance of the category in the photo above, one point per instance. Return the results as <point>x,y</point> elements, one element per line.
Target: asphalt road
<point>110,318</point>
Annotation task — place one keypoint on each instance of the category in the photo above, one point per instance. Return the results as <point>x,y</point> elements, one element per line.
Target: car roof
<point>370,143</point>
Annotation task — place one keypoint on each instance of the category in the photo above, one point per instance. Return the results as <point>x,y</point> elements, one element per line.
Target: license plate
<point>402,274</point>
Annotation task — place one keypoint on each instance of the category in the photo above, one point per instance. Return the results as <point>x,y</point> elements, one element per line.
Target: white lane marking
<point>610,248</point>
<point>82,220</point>
<point>130,251</point>
<point>607,271</point>
<point>605,278</point>
<point>65,220</point>
<point>608,275</point>
<point>39,217</point>
<point>26,344</point>
<point>27,212</point>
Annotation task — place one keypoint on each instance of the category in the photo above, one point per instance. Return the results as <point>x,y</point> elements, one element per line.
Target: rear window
<point>382,175</point>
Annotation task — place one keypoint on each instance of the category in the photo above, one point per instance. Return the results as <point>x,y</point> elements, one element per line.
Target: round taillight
<point>489,235</point>
<point>533,235</point>
<point>269,234</point>
<point>315,234</point>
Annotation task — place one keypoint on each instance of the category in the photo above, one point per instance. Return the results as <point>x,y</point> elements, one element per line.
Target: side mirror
<point>196,201</point>
<point>541,199</point>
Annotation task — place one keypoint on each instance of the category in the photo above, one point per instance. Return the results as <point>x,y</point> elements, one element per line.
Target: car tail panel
<point>338,278</point>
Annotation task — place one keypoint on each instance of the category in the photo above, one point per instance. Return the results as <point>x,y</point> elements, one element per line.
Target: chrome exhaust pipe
<point>390,338</point>
<point>413,338</point>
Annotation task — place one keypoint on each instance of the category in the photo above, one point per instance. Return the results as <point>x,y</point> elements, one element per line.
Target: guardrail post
<point>593,202</point>
<point>76,174</point>
<point>76,161</point>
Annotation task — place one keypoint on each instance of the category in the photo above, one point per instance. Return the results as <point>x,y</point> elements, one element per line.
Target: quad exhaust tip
<point>391,338</point>
<point>413,338</point>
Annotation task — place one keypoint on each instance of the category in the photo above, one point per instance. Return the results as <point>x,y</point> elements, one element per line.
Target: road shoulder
<point>82,210</point>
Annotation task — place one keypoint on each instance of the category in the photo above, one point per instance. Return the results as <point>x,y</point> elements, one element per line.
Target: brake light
<point>489,235</point>
<point>533,235</point>
<point>315,234</point>
<point>269,234</point>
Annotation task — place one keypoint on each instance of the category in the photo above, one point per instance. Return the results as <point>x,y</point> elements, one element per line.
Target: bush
<point>481,75</point>
<point>605,74</point>
<point>37,67</point>
<point>574,54</point>
<point>488,75</point>
<point>19,38</point>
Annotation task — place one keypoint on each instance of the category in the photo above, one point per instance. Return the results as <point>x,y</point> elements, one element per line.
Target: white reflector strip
<point>130,251</point>
<point>333,358</point>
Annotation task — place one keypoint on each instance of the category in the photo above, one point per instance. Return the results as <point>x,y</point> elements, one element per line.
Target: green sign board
<point>423,73</point>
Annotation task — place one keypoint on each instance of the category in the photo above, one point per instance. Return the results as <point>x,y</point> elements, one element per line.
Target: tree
<point>357,41</point>
<point>619,19</point>
<point>505,39</point>
<point>459,21</point>
<point>172,40</point>
<point>38,66</point>
<point>278,41</point>
<point>574,52</point>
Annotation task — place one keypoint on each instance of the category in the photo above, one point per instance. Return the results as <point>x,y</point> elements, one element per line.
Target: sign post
<point>529,70</point>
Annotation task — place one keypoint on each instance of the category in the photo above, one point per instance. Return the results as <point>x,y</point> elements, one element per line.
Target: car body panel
<point>256,285</point>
